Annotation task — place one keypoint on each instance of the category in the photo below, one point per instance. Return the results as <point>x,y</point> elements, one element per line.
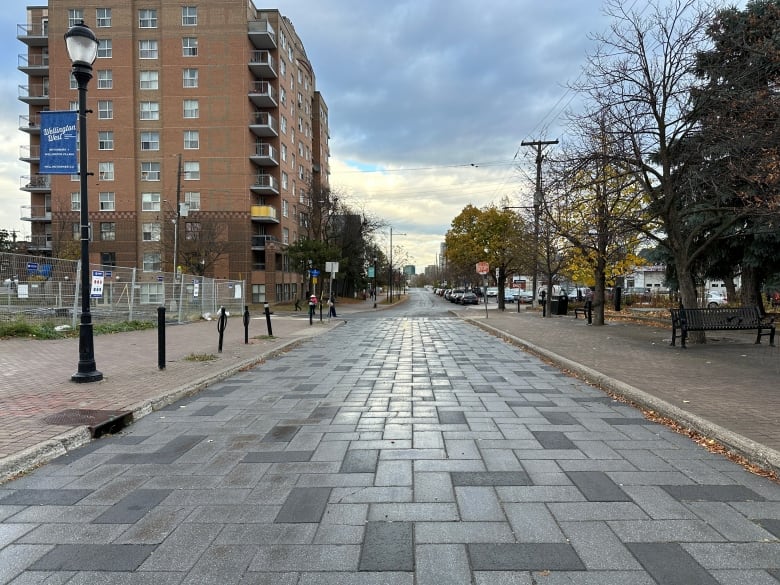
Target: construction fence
<point>38,289</point>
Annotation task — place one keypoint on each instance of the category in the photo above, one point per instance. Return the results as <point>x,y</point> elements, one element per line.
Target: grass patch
<point>264,337</point>
<point>200,357</point>
<point>47,330</point>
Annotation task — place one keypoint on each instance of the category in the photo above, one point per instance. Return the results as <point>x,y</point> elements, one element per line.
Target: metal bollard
<point>221,325</point>
<point>268,320</point>
<point>246,324</point>
<point>589,311</point>
<point>618,295</point>
<point>161,338</point>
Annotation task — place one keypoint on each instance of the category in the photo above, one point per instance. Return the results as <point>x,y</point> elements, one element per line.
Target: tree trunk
<point>689,298</point>
<point>750,294</point>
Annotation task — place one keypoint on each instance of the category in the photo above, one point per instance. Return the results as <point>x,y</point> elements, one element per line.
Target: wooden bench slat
<point>720,319</point>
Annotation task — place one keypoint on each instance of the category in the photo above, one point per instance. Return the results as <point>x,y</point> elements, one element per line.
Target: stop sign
<point>483,268</point>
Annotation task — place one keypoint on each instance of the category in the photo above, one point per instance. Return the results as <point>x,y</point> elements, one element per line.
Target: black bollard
<point>544,303</point>
<point>221,325</point>
<point>268,320</point>
<point>320,310</point>
<point>246,324</point>
<point>589,311</point>
<point>618,294</point>
<point>161,338</point>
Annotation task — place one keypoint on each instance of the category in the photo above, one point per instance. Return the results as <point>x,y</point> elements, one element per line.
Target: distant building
<point>202,112</point>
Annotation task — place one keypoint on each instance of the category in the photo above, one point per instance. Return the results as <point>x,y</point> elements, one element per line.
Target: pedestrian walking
<point>331,307</point>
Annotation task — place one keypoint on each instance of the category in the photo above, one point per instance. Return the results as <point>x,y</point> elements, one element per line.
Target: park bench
<point>585,311</point>
<point>720,319</point>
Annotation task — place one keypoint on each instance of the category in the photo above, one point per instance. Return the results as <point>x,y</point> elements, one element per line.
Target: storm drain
<point>99,422</point>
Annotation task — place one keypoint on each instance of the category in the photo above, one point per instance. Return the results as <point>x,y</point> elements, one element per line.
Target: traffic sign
<point>314,272</point>
<point>483,268</point>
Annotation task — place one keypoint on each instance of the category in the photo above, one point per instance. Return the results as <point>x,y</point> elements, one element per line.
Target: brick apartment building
<point>205,119</point>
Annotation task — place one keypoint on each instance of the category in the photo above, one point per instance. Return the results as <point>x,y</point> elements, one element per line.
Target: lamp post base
<point>88,376</point>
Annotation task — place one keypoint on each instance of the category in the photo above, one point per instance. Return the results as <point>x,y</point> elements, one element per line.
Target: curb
<point>755,453</point>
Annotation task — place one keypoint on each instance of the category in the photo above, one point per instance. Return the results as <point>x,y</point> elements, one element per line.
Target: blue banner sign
<point>59,143</point>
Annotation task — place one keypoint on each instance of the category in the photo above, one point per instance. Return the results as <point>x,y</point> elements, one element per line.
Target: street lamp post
<point>390,284</point>
<point>374,291</point>
<point>82,49</point>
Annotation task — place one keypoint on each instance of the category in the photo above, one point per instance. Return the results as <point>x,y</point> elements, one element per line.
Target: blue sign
<point>314,272</point>
<point>32,267</point>
<point>59,143</point>
<point>160,278</point>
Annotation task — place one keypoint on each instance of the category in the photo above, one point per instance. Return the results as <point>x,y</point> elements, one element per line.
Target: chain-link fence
<point>38,289</point>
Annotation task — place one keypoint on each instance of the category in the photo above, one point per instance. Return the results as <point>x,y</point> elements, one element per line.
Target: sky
<point>429,101</point>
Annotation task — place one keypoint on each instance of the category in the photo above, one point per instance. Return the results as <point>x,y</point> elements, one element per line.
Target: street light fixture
<point>82,48</point>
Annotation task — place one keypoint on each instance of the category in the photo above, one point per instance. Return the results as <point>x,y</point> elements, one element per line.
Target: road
<point>404,447</point>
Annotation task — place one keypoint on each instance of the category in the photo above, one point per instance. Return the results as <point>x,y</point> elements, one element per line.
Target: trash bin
<point>560,305</point>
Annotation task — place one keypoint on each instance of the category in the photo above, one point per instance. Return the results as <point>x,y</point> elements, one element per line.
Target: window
<point>191,230</point>
<point>75,229</point>
<point>191,140</point>
<point>285,236</point>
<point>150,141</point>
<point>105,140</point>
<point>105,110</point>
<point>282,67</point>
<point>189,47</point>
<point>192,171</point>
<point>75,201</point>
<point>108,258</point>
<point>283,96</point>
<point>151,264</point>
<point>105,79</point>
<point>106,171</point>
<point>104,49</point>
<point>150,202</point>
<point>150,232</point>
<point>285,208</point>
<point>150,171</point>
<point>107,200</point>
<point>147,49</point>
<point>73,83</point>
<point>189,15</point>
<point>73,106</point>
<point>150,111</point>
<point>285,180</point>
<point>192,199</point>
<point>103,17</point>
<point>283,125</point>
<point>258,293</point>
<point>147,18</point>
<point>107,231</point>
<point>75,15</point>
<point>284,152</point>
<point>190,78</point>
<point>149,79</point>
<point>191,109</point>
<point>152,293</point>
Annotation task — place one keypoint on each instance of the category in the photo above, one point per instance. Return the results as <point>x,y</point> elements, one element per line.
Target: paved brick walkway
<point>408,450</point>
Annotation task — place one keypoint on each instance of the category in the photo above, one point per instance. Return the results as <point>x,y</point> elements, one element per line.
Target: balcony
<point>264,214</point>
<point>263,124</point>
<point>262,34</point>
<point>34,95</point>
<point>35,213</point>
<point>262,65</point>
<point>265,155</point>
<point>261,241</point>
<point>30,124</point>
<point>262,94</point>
<point>33,35</point>
<point>40,242</point>
<point>30,153</point>
<point>36,183</point>
<point>34,65</point>
<point>265,185</point>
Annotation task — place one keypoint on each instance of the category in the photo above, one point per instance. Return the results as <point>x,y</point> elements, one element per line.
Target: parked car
<point>715,298</point>
<point>468,298</point>
<point>492,291</point>
<point>522,296</point>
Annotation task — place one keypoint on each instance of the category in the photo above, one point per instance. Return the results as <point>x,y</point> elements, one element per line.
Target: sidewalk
<point>725,389</point>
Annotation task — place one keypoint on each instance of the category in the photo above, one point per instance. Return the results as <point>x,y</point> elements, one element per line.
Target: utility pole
<point>537,206</point>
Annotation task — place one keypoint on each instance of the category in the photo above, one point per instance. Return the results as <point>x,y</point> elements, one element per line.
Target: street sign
<point>314,272</point>
<point>483,268</point>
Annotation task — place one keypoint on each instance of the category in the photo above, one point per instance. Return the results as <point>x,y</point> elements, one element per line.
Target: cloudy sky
<point>429,101</point>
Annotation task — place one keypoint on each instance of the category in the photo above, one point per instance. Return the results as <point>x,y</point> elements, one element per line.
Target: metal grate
<point>99,422</point>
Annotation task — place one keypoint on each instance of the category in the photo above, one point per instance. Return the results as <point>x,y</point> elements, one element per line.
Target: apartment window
<point>258,293</point>
<point>150,232</point>
<point>73,83</point>
<point>284,153</point>
<point>283,96</point>
<point>105,110</point>
<point>191,140</point>
<point>107,231</point>
<point>75,15</point>
<point>105,140</point>
<point>192,171</point>
<point>75,229</point>
<point>150,111</point>
<point>104,49</point>
<point>75,201</point>
<point>192,199</point>
<point>190,77</point>
<point>103,17</point>
<point>73,106</point>
<point>106,171</point>
<point>189,15</point>
<point>150,171</point>
<point>285,180</point>
<point>147,49</point>
<point>150,141</point>
<point>285,236</point>
<point>150,202</point>
<point>105,79</point>
<point>283,125</point>
<point>191,109</point>
<point>107,200</point>
<point>191,230</point>
<point>149,79</point>
<point>282,67</point>
<point>108,258</point>
<point>147,18</point>
<point>151,264</point>
<point>189,47</point>
<point>285,208</point>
